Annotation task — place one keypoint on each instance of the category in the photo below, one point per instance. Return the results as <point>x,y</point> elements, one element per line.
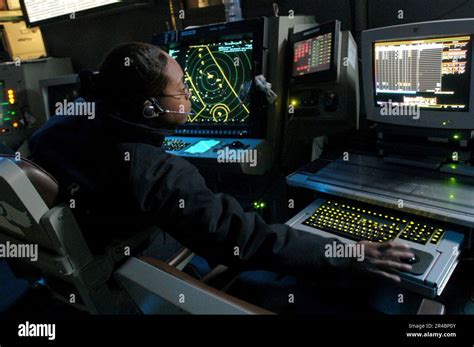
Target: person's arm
<point>215,225</point>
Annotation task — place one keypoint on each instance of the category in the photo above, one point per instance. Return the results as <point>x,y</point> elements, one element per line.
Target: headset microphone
<point>178,112</point>
<point>153,109</point>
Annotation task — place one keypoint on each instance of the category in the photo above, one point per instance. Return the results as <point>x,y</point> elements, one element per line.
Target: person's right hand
<point>383,259</point>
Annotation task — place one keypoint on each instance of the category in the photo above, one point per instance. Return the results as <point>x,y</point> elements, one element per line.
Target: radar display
<point>219,76</point>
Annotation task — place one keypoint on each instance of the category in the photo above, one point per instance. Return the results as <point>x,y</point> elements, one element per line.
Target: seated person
<point>118,180</point>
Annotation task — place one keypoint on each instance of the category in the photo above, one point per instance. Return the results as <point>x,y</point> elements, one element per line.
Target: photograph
<point>271,169</point>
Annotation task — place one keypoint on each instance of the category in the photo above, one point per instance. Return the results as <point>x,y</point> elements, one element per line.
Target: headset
<point>153,109</point>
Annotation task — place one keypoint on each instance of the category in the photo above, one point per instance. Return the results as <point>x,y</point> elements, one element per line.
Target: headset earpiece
<point>152,108</point>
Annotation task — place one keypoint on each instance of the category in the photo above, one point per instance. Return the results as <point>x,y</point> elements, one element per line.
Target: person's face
<point>175,96</point>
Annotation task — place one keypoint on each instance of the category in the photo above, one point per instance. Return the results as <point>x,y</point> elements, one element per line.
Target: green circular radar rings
<point>219,112</point>
<point>218,75</point>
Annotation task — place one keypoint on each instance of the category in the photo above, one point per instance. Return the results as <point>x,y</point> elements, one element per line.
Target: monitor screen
<point>43,11</point>
<point>220,62</point>
<point>312,55</point>
<point>315,54</point>
<point>219,76</point>
<point>432,73</point>
<point>201,146</point>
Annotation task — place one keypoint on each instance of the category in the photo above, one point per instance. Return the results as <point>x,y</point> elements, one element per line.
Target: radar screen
<point>219,76</point>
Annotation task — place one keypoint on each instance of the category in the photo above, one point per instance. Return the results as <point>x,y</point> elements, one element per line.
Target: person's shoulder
<point>73,124</point>
<point>56,129</point>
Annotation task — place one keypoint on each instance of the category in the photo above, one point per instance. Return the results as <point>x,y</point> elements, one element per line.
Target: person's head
<point>133,72</point>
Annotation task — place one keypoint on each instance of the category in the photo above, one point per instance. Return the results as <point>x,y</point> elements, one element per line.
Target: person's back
<point>84,158</point>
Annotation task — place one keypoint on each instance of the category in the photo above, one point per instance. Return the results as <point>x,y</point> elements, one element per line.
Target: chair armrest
<point>430,307</point>
<point>177,291</point>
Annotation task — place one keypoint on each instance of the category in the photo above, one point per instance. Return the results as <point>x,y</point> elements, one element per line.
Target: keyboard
<point>356,222</point>
<point>175,144</point>
<point>435,244</point>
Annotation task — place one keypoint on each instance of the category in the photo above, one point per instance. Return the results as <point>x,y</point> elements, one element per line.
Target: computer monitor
<point>38,12</point>
<point>58,89</point>
<point>420,74</point>
<point>323,80</point>
<point>220,63</point>
<point>323,91</point>
<point>315,53</point>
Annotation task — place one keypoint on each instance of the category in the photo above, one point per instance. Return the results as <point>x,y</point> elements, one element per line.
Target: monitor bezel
<point>456,119</point>
<point>256,127</point>
<point>329,75</point>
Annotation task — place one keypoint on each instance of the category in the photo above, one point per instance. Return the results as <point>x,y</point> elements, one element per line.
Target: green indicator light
<point>8,118</point>
<point>259,204</point>
<point>456,136</point>
<point>453,180</point>
<point>451,196</point>
<point>453,166</point>
<point>445,123</point>
<point>13,113</point>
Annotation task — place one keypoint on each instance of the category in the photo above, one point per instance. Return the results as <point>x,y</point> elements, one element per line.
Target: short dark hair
<point>131,73</point>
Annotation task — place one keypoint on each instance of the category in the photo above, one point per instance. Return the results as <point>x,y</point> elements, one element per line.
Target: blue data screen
<point>201,146</point>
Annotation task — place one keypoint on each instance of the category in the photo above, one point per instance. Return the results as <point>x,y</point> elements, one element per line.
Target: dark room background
<point>86,40</point>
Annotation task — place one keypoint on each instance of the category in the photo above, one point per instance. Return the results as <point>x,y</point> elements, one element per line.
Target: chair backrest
<point>21,204</point>
<point>30,216</point>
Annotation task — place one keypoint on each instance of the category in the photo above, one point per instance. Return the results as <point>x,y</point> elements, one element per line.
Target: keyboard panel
<point>175,144</point>
<point>358,223</point>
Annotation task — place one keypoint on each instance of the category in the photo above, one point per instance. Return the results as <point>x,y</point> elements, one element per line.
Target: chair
<point>30,213</point>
